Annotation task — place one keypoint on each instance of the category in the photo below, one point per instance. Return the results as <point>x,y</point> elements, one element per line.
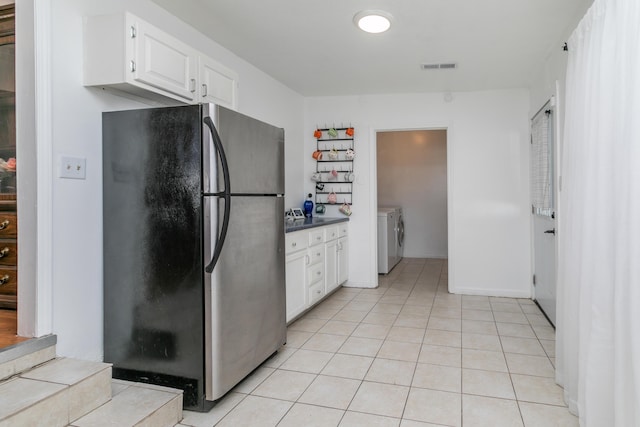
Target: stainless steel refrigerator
<point>193,236</point>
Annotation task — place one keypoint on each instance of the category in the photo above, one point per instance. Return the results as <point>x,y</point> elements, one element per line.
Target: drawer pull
<point>4,252</point>
<point>4,224</point>
<point>4,279</point>
<point>294,244</point>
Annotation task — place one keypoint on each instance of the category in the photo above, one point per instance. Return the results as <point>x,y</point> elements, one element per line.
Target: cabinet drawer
<point>330,233</point>
<point>8,281</point>
<point>316,292</point>
<point>315,237</point>
<point>8,225</point>
<point>315,274</point>
<point>343,230</point>
<point>295,241</point>
<point>316,255</point>
<point>8,252</point>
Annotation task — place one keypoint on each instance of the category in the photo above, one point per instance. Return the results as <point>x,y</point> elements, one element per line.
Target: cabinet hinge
<point>132,32</point>
<point>534,280</point>
<point>132,65</point>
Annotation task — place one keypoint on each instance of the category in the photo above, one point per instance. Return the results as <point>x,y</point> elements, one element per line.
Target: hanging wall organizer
<point>334,174</point>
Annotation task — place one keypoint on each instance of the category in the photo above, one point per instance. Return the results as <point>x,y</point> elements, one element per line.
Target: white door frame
<point>34,133</point>
<point>373,208</point>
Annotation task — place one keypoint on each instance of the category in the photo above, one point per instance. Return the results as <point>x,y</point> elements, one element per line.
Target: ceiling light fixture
<point>373,21</point>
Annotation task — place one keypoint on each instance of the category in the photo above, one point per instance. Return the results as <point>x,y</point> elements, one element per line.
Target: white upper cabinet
<point>218,84</point>
<point>161,61</point>
<point>126,53</point>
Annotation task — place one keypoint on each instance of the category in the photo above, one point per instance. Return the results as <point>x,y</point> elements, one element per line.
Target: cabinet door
<point>343,260</point>
<point>218,84</point>
<point>331,265</point>
<point>296,283</point>
<point>163,62</point>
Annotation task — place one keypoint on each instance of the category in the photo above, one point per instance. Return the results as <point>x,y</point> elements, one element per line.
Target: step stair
<point>38,389</point>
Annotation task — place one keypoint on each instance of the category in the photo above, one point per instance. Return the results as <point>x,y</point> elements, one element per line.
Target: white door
<point>543,210</point>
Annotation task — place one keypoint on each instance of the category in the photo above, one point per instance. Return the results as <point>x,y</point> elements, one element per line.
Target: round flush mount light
<point>373,21</point>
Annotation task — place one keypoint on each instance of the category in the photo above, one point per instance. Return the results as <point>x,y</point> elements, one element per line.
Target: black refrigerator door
<point>152,237</point>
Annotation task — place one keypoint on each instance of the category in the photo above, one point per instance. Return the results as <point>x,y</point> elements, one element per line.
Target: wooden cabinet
<point>315,266</point>
<point>127,54</point>
<point>8,255</point>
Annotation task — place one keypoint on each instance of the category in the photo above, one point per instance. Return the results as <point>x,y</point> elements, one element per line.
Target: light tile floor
<point>406,354</point>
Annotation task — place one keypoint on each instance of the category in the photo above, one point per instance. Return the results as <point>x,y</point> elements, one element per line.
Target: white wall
<point>77,204</point>
<point>412,174</point>
<point>488,180</point>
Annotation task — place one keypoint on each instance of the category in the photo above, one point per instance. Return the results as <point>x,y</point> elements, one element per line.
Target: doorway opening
<point>411,170</point>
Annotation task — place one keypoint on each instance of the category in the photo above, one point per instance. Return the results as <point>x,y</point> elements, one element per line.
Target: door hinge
<point>132,66</point>
<point>534,280</point>
<point>132,32</point>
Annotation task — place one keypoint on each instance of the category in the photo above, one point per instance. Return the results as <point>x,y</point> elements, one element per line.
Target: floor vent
<point>447,66</point>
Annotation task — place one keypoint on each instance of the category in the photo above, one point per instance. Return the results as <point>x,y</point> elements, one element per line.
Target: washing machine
<point>390,238</point>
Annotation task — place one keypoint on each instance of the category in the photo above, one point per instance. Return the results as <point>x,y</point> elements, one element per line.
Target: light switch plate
<point>73,167</point>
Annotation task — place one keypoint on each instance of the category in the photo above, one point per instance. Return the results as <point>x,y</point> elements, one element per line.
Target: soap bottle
<point>308,206</point>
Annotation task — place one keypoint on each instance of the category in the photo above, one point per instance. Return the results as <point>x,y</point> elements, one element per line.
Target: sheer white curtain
<point>598,335</point>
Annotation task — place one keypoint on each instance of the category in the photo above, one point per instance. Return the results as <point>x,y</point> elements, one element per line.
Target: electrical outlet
<point>73,167</point>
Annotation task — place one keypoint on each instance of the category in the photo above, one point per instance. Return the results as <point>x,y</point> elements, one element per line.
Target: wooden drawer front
<point>9,252</point>
<point>316,292</point>
<point>330,233</point>
<point>315,274</point>
<point>8,225</point>
<point>316,255</point>
<point>296,241</point>
<point>343,230</point>
<point>315,237</point>
<point>9,280</point>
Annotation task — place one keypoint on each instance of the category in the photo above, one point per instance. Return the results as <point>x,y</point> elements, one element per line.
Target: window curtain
<point>598,325</point>
<point>541,162</point>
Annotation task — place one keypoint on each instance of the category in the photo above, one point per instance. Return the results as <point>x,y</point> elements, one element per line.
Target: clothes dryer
<point>390,238</point>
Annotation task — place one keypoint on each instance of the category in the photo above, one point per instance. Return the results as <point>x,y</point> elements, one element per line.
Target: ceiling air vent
<point>447,66</point>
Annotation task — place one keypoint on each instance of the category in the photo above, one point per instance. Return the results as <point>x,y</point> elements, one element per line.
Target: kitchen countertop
<point>303,224</point>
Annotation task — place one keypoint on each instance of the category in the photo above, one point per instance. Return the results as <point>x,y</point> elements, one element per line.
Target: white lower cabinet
<point>343,260</point>
<point>315,265</point>
<point>331,265</point>
<point>343,252</point>
<point>296,283</point>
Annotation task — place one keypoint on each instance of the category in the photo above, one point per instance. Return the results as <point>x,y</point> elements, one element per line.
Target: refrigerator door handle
<point>225,193</point>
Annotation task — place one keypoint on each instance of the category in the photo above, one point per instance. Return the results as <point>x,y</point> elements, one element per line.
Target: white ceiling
<point>314,48</point>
